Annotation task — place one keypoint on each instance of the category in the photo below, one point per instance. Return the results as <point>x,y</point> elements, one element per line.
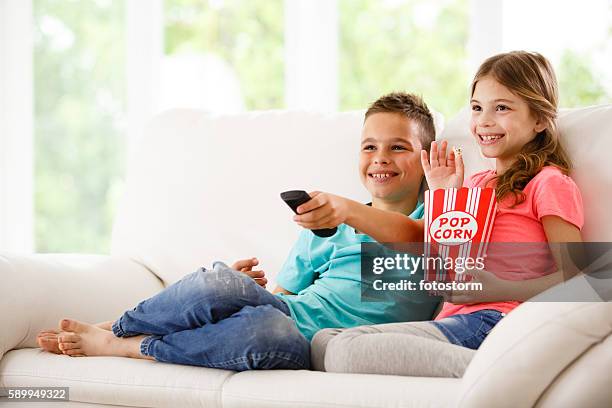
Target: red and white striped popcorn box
<point>458,225</point>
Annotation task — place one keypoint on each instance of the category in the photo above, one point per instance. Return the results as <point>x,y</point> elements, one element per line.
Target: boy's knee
<point>277,337</point>
<point>275,326</point>
<point>318,347</point>
<point>221,282</point>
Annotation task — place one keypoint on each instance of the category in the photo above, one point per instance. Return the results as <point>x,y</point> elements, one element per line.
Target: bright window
<point>79,86</point>
<point>417,46</point>
<point>575,36</point>
<point>232,55</point>
<point>238,42</point>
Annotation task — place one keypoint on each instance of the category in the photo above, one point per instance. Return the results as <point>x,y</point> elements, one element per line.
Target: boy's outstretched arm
<point>384,226</point>
<point>326,210</point>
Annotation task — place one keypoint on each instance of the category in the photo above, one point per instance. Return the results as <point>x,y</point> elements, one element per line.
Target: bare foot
<point>82,339</point>
<point>105,325</point>
<point>47,338</point>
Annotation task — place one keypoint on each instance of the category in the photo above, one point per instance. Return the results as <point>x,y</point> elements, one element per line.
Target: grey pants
<point>415,349</point>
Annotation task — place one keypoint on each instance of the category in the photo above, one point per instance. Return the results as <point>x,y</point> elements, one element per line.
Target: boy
<point>222,318</point>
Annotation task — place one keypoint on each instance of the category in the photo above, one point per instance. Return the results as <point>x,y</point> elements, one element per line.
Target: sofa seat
<point>308,389</point>
<point>112,381</point>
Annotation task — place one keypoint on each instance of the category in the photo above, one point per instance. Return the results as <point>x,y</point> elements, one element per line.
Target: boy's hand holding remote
<point>323,211</point>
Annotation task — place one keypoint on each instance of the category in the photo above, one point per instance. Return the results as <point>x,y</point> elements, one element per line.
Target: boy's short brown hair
<point>411,106</point>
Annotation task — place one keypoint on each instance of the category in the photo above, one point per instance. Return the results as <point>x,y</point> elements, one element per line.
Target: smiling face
<point>389,162</point>
<point>502,122</point>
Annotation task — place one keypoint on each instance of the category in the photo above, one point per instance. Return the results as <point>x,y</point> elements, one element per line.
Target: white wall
<point>145,47</point>
<point>16,126</point>
<point>486,31</point>
<point>311,54</point>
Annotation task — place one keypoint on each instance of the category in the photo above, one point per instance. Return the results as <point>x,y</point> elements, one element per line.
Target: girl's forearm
<point>524,290</point>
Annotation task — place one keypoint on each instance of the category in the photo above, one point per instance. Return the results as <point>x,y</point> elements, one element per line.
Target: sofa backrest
<point>205,187</point>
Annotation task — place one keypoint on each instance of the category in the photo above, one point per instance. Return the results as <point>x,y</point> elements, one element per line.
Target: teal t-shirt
<point>325,274</point>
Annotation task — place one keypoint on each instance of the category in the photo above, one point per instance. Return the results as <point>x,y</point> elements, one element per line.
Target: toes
<point>49,344</point>
<point>70,325</point>
<point>69,346</point>
<point>69,341</point>
<point>47,337</point>
<point>47,340</point>
<point>47,332</point>
<point>77,352</point>
<point>68,338</point>
<point>43,342</point>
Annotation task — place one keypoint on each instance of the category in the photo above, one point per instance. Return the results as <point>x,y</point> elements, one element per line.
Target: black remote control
<point>295,198</point>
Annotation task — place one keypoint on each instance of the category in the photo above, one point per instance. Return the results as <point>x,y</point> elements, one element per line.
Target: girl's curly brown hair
<point>531,77</point>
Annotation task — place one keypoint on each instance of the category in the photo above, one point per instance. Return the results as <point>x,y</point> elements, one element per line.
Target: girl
<point>514,106</point>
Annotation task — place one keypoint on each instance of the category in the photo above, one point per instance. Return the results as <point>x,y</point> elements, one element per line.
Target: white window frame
<point>311,54</point>
<point>145,50</point>
<point>16,127</point>
<point>486,31</point>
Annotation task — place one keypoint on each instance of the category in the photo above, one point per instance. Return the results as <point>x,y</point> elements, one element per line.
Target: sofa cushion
<point>585,133</point>
<point>115,380</point>
<point>308,389</point>
<point>206,187</point>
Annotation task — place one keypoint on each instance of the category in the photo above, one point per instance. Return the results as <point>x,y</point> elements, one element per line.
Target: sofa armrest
<point>36,291</point>
<point>531,348</point>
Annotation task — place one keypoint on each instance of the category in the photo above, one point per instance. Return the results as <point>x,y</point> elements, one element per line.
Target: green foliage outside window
<point>384,48</point>
<point>79,86</point>
<point>579,85</point>
<point>247,34</point>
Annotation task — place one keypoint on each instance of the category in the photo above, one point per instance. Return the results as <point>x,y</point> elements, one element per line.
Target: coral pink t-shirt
<point>550,192</point>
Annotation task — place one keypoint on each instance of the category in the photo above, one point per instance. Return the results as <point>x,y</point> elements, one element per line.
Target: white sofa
<point>203,187</point>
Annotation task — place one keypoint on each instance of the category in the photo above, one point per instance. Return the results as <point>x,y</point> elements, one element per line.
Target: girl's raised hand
<point>442,171</point>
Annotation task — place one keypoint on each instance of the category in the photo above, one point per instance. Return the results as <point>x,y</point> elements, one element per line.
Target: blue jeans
<point>469,330</point>
<point>217,318</point>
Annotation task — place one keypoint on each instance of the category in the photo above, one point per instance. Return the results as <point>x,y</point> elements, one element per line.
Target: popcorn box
<point>458,225</point>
